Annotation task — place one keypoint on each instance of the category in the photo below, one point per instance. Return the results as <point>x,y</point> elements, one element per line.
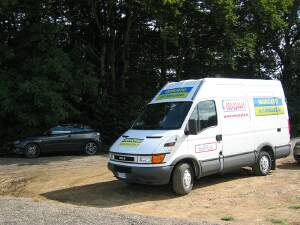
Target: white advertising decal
<point>235,108</point>
<point>206,147</point>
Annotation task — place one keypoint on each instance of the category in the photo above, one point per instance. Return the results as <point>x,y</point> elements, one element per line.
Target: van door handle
<point>219,137</point>
<point>278,129</point>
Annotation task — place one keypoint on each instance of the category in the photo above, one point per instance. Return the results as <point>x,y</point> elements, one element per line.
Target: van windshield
<point>163,116</point>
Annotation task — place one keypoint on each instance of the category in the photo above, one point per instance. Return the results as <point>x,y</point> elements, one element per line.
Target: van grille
<point>124,158</point>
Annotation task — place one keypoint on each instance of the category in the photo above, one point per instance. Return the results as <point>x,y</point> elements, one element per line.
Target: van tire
<point>183,179</point>
<point>263,164</point>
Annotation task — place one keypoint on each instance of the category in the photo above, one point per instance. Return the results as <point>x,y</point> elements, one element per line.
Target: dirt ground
<point>86,181</point>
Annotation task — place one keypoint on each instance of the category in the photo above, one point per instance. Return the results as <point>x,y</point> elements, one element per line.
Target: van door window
<point>207,114</point>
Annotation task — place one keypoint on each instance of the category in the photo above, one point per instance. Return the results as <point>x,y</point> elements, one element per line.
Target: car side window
<point>59,131</point>
<point>207,114</point>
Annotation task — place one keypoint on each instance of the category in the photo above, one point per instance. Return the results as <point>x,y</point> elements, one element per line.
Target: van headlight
<point>151,159</point>
<point>145,159</point>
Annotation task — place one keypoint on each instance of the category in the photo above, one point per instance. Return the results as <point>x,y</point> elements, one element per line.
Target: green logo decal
<point>131,142</point>
<point>174,93</point>
<point>268,106</point>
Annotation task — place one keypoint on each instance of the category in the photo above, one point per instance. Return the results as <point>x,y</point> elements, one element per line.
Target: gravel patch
<point>24,211</point>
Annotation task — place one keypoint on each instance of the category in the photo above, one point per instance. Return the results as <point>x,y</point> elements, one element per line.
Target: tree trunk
<point>182,53</point>
<point>112,34</point>
<point>102,68</point>
<point>103,35</point>
<point>124,75</point>
<point>163,75</point>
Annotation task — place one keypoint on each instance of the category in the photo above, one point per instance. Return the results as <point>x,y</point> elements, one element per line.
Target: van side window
<point>206,115</point>
<point>194,115</point>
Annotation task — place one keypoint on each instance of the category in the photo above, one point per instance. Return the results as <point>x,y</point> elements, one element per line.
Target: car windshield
<point>162,116</point>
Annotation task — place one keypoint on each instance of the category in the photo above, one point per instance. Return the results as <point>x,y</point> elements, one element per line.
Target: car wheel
<point>32,151</point>
<point>263,164</point>
<point>91,148</point>
<point>183,179</point>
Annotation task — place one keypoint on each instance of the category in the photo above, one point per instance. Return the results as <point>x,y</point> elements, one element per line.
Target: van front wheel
<point>183,179</point>
<point>263,164</point>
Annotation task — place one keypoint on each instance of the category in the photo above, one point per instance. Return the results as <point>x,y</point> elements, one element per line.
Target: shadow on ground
<point>289,165</point>
<point>117,193</point>
<point>44,159</point>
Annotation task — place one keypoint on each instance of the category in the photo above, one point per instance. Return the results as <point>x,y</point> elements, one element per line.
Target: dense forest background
<point>98,62</point>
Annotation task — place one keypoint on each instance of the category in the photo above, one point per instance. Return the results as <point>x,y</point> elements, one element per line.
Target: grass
<point>227,218</point>
<point>279,221</point>
<point>294,206</point>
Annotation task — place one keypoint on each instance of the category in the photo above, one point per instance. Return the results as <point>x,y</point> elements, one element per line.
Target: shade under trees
<point>98,62</point>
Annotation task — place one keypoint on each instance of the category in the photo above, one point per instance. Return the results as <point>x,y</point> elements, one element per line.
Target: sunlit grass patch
<point>227,218</point>
<point>279,221</point>
<point>294,206</point>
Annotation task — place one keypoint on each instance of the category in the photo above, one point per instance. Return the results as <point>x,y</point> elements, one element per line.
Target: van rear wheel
<point>183,179</point>
<point>263,164</point>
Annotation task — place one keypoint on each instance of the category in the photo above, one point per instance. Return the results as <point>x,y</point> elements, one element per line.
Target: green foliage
<point>99,62</point>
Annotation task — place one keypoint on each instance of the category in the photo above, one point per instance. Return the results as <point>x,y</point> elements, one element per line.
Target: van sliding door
<point>238,147</point>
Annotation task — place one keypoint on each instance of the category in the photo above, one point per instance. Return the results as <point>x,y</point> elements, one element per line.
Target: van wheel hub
<point>187,178</point>
<point>264,163</point>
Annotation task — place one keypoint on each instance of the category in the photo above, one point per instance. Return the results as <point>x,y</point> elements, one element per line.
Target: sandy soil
<point>86,181</point>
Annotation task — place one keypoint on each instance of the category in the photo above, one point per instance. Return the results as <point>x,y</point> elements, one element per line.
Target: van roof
<point>230,80</point>
<point>186,90</point>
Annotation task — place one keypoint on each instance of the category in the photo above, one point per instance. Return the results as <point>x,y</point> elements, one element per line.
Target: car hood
<point>144,141</point>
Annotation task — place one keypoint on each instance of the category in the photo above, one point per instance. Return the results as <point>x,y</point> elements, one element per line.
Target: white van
<point>194,128</point>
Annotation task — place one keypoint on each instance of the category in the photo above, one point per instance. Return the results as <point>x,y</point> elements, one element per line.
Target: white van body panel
<point>250,115</point>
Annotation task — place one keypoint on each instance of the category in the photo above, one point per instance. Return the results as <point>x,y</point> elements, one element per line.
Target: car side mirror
<point>49,133</point>
<point>192,127</point>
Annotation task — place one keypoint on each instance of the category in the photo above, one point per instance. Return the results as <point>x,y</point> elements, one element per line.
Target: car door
<point>55,142</point>
<point>77,139</point>
<point>207,144</point>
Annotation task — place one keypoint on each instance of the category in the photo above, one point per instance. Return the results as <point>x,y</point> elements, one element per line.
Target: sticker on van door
<point>267,106</point>
<point>206,147</point>
<point>173,93</point>
<point>235,108</point>
<point>131,142</point>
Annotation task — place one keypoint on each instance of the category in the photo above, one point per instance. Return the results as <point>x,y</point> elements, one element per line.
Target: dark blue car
<point>58,139</point>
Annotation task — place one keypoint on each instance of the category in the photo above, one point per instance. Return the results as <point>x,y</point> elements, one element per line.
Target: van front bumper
<point>142,175</point>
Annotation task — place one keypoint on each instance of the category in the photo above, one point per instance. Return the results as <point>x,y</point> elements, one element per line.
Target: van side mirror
<point>192,127</point>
